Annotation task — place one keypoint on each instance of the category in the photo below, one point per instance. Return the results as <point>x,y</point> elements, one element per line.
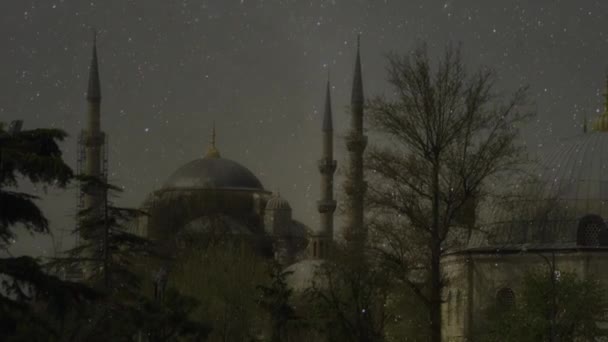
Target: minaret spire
<point>356,99</point>
<point>322,242</point>
<point>356,141</point>
<point>92,152</point>
<point>327,115</point>
<point>94,89</point>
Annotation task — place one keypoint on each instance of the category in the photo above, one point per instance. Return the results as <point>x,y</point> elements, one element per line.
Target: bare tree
<point>447,135</point>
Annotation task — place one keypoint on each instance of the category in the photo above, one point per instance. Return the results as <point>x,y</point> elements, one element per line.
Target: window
<point>589,229</point>
<point>505,298</point>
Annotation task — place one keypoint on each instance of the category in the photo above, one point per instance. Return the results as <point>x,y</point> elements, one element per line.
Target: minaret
<point>92,138</point>
<point>321,243</point>
<point>355,143</point>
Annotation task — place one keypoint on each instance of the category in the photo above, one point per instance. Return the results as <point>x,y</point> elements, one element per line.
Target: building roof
<point>278,203</point>
<point>213,173</point>
<point>571,182</point>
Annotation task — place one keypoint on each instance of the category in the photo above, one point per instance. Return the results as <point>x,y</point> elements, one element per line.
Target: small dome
<point>213,173</point>
<point>278,203</point>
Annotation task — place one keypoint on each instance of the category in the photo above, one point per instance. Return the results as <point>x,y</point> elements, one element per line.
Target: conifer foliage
<point>28,294</point>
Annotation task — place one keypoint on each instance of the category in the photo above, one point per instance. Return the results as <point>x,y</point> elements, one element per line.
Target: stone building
<point>560,224</point>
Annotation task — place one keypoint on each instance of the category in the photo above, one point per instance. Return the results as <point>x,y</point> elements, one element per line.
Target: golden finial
<point>606,95</point>
<point>213,152</point>
<point>601,123</point>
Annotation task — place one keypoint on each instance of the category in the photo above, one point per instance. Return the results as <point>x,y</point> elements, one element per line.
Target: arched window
<point>505,298</point>
<point>589,229</point>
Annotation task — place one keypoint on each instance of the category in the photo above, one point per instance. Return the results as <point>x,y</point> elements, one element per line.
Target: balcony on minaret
<point>326,206</point>
<point>327,166</point>
<point>93,139</point>
<point>356,142</point>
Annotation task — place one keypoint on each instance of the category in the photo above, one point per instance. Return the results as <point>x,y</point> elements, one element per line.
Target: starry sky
<point>169,68</point>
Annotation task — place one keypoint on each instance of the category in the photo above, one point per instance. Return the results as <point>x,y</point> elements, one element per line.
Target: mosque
<point>214,191</point>
<point>214,194</point>
<point>559,224</point>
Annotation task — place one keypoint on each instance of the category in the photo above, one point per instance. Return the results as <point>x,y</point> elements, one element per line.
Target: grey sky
<point>258,68</point>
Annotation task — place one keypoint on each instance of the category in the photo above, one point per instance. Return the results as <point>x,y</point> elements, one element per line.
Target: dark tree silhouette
<point>28,293</point>
<point>447,135</point>
<point>275,300</point>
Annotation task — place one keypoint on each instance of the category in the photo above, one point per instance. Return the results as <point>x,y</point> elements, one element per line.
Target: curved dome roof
<point>213,173</point>
<point>570,191</point>
<point>278,203</point>
<point>577,173</point>
<point>572,183</point>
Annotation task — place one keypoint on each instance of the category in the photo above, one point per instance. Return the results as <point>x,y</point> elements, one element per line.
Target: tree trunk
<point>435,295</point>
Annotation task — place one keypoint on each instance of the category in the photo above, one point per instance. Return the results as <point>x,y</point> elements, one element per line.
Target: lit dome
<point>213,173</point>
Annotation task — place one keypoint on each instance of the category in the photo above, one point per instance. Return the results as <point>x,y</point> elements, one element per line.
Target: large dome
<point>572,184</point>
<point>213,173</point>
<point>577,174</point>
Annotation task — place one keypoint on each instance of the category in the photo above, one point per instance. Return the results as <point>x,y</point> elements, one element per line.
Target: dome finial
<point>606,95</point>
<point>213,152</point>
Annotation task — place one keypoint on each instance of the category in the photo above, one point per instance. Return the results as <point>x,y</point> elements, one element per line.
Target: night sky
<point>258,68</point>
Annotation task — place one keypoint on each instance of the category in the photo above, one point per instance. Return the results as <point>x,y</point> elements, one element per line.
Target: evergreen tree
<point>275,300</point>
<point>30,297</point>
<point>107,247</point>
<point>105,258</point>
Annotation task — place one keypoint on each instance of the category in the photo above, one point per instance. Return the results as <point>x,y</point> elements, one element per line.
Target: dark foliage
<point>31,301</point>
<point>349,296</point>
<point>35,155</point>
<point>275,300</point>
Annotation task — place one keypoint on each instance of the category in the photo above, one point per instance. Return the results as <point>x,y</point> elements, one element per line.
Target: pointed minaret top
<point>94,89</point>
<point>327,116</point>
<point>357,93</point>
<point>212,152</point>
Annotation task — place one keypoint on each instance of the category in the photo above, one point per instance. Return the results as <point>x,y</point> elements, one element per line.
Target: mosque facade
<point>216,195</point>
